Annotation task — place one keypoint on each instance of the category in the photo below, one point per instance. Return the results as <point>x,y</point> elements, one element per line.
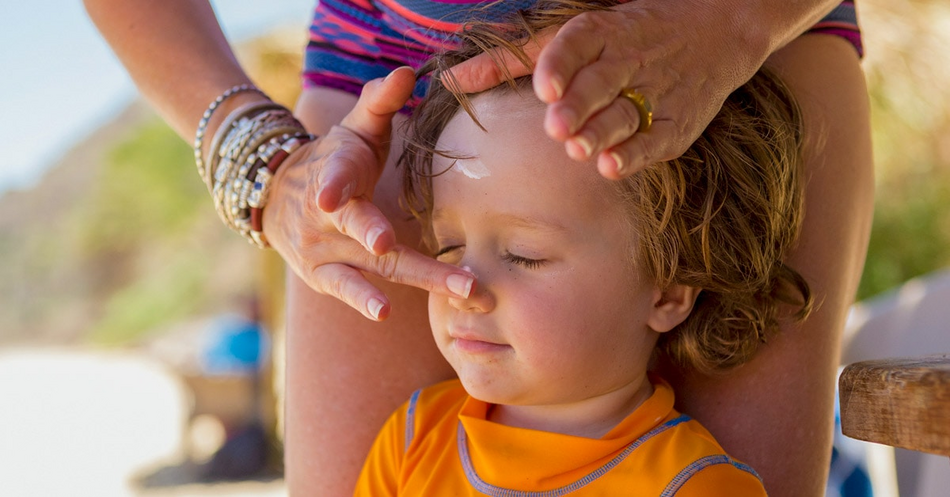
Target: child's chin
<point>489,391</point>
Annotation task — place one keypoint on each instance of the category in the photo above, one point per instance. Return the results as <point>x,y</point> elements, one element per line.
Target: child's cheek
<point>543,302</point>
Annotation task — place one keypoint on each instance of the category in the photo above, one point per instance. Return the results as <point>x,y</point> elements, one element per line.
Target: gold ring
<point>643,108</point>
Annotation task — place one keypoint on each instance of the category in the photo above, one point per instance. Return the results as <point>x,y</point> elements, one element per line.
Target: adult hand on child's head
<point>321,218</point>
<point>683,58</point>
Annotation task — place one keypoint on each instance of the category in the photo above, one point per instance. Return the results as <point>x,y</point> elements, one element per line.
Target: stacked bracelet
<point>203,123</point>
<point>249,146</point>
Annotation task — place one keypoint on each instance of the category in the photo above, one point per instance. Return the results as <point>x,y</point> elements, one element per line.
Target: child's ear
<point>671,307</point>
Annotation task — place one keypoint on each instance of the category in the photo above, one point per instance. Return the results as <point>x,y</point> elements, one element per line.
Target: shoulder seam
<point>698,465</point>
<point>411,419</point>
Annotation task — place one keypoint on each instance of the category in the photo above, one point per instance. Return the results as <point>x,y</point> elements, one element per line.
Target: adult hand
<point>322,221</point>
<point>684,57</point>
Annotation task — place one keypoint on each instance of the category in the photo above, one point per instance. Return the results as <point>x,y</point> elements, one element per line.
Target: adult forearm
<point>176,54</point>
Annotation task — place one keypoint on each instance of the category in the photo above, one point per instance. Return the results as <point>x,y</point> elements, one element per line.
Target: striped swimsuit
<point>354,41</point>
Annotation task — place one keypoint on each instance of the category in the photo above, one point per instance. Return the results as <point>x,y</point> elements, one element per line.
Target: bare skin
<point>347,373</point>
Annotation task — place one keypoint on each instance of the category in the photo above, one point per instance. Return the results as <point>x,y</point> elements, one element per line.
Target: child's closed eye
<point>445,254</point>
<point>524,261</point>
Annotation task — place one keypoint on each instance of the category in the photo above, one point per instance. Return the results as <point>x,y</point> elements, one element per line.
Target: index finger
<point>492,68</point>
<point>406,266</point>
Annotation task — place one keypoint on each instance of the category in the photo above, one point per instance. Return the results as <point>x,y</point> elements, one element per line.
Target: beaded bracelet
<point>236,183</point>
<point>263,127</point>
<point>206,117</point>
<point>228,127</point>
<point>262,184</point>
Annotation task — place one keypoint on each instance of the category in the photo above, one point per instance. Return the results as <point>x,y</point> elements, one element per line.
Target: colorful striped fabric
<point>843,22</point>
<point>354,41</point>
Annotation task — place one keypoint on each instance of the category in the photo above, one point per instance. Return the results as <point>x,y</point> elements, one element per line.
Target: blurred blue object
<point>234,345</point>
<point>848,475</point>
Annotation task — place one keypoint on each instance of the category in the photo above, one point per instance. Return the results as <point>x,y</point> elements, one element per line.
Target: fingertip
<point>378,309</point>
<point>326,200</point>
<point>380,240</point>
<point>400,76</point>
<point>461,285</point>
<point>573,150</point>
<point>398,69</point>
<point>548,90</point>
<point>609,165</point>
<point>384,96</point>
<point>330,199</point>
<point>579,148</point>
<point>555,126</point>
<point>474,285</point>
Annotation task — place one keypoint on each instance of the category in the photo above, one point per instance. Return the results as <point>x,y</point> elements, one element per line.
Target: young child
<point>580,280</point>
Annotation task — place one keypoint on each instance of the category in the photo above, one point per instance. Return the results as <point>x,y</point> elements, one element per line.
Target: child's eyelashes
<point>451,254</point>
<point>524,261</point>
<point>446,250</point>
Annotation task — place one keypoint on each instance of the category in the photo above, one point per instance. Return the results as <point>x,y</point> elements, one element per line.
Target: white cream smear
<point>471,168</point>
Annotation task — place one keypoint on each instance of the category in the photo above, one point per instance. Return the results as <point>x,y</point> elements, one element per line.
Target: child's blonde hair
<point>721,218</point>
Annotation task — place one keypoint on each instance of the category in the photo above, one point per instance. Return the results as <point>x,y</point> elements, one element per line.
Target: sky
<point>59,80</point>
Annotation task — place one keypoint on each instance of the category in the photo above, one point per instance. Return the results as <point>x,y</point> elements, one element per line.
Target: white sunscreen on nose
<point>472,168</point>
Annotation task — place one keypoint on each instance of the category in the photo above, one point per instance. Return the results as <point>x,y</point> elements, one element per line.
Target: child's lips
<point>475,343</point>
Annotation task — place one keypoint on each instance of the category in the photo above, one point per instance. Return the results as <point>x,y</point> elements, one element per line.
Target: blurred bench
<point>898,402</point>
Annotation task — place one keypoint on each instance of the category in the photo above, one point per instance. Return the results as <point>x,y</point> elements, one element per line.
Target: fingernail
<point>372,236</point>
<point>569,117</point>
<point>558,86</point>
<point>375,305</point>
<point>394,71</point>
<point>460,285</point>
<point>585,143</point>
<point>558,124</point>
<point>620,165</point>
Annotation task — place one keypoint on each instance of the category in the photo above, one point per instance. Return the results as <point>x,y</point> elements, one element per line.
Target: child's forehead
<point>513,151</point>
<point>515,114</point>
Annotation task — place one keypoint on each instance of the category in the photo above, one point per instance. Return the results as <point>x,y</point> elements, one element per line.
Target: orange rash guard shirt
<point>440,443</point>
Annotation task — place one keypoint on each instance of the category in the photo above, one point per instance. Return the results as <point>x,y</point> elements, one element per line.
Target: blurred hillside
<point>908,69</point>
<point>120,240</point>
<point>117,240</point>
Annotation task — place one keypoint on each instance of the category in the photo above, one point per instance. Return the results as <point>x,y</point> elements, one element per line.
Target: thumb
<point>372,116</point>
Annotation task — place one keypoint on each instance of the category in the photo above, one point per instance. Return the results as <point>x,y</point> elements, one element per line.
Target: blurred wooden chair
<point>898,402</point>
<point>912,321</point>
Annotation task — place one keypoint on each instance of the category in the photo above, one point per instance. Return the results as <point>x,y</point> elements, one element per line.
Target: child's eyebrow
<point>532,223</point>
<point>512,221</point>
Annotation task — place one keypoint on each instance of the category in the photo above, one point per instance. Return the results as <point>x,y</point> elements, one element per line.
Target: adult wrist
<point>749,34</point>
<point>768,25</point>
<point>249,144</point>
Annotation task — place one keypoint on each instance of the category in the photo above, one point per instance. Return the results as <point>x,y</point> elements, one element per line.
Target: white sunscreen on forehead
<point>471,168</point>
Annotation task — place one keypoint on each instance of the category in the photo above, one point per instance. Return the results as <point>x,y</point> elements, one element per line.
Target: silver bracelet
<point>203,123</point>
<point>248,147</point>
<point>231,125</point>
<point>235,183</point>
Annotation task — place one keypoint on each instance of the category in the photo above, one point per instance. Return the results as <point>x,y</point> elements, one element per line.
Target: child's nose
<point>480,299</point>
